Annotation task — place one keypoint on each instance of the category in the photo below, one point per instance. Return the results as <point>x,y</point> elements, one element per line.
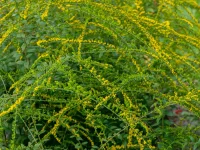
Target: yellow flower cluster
<point>6,34</point>
<point>43,55</point>
<point>192,16</point>
<point>80,40</point>
<point>93,70</point>
<point>54,130</point>
<point>8,14</point>
<point>45,13</point>
<point>25,13</point>
<point>60,5</point>
<point>39,42</point>
<point>139,7</point>
<point>102,101</point>
<point>194,41</point>
<point>6,48</point>
<point>36,89</point>
<point>126,98</point>
<point>17,90</point>
<point>135,63</point>
<point>185,20</point>
<point>59,113</point>
<point>18,50</point>
<point>102,80</point>
<point>12,107</point>
<point>89,139</point>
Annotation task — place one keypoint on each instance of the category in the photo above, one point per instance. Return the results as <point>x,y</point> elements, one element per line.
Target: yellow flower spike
<point>25,15</point>
<point>43,55</point>
<point>17,90</point>
<point>89,139</point>
<point>102,101</point>
<point>45,13</point>
<point>61,6</point>
<point>130,135</point>
<point>12,107</point>
<point>6,48</point>
<point>54,129</point>
<point>6,34</point>
<point>41,41</point>
<point>80,40</point>
<point>167,24</point>
<point>7,15</point>
<point>36,89</point>
<point>135,63</point>
<point>72,18</point>
<point>19,51</point>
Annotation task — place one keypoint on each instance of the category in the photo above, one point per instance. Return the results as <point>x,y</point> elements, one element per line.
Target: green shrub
<point>82,74</point>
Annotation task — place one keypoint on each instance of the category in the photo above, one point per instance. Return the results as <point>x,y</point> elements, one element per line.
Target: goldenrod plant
<point>100,74</point>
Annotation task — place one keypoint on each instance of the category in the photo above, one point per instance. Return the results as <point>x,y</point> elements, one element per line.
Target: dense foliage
<point>99,74</point>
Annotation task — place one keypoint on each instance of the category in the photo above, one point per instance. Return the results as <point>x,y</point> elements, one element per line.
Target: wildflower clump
<point>85,74</point>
